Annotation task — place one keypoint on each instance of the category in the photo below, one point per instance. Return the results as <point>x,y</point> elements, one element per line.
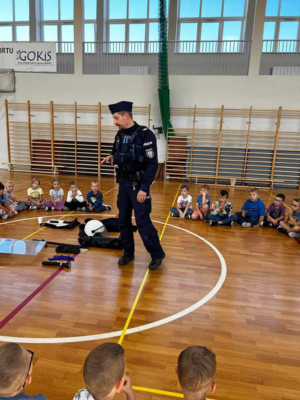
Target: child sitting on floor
<point>9,191</point>
<point>95,199</point>
<point>202,204</point>
<point>291,223</point>
<point>253,212</point>
<point>184,204</point>
<point>35,195</point>
<point>16,372</point>
<point>75,200</point>
<point>57,196</point>
<point>221,209</point>
<point>196,371</point>
<point>6,210</point>
<point>275,212</point>
<point>104,374</point>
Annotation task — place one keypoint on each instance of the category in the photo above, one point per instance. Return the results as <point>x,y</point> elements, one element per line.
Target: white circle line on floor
<point>141,328</point>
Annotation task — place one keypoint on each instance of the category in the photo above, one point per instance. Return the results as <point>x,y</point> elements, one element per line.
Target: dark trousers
<point>127,201</point>
<point>176,212</point>
<point>96,209</point>
<point>74,204</point>
<point>237,217</point>
<point>218,218</point>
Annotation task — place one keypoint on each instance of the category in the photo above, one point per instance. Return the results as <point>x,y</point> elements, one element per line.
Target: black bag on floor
<point>60,224</point>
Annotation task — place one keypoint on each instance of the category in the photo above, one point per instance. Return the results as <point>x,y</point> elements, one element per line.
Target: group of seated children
<point>105,375</point>
<point>10,206</point>
<point>253,213</point>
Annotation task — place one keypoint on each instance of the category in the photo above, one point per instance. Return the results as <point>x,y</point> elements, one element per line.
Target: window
<point>211,22</point>
<point>282,26</point>
<point>14,20</point>
<point>133,22</point>
<point>57,23</point>
<point>90,24</point>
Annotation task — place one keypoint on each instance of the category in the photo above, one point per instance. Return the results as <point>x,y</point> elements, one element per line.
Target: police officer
<point>135,154</point>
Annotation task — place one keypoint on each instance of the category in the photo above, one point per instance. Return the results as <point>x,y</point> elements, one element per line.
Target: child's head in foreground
<point>9,186</point>
<point>104,370</point>
<point>1,188</point>
<point>204,189</point>
<point>223,195</point>
<point>296,205</point>
<point>184,190</point>
<point>253,194</point>
<point>196,372</point>
<point>15,369</point>
<point>55,183</point>
<point>279,199</point>
<point>95,186</point>
<point>35,183</point>
<point>72,185</point>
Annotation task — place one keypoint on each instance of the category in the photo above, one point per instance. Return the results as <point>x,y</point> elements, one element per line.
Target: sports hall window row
<point>137,20</point>
<point>282,26</point>
<point>56,20</point>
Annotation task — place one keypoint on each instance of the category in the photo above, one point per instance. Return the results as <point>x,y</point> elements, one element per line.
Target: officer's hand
<point>108,159</point>
<point>141,196</point>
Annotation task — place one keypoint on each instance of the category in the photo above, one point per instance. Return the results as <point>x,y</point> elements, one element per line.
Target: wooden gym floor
<point>252,322</point>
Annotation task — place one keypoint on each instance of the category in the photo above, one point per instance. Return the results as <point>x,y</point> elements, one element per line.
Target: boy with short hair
<point>202,204</point>
<point>104,374</point>
<point>275,212</point>
<point>196,372</point>
<point>75,200</point>
<point>95,199</point>
<point>15,372</point>
<point>253,212</point>
<point>184,204</point>
<point>291,223</point>
<point>221,209</point>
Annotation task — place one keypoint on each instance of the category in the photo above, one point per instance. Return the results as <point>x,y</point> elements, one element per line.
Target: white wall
<point>267,92</point>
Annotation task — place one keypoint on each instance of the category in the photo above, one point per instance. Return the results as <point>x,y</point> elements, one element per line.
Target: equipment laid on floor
<point>62,258</point>
<point>57,264</point>
<point>12,251</point>
<point>65,248</point>
<point>94,234</point>
<point>111,224</point>
<point>61,224</point>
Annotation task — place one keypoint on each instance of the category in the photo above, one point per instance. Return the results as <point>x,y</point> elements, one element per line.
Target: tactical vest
<point>128,153</point>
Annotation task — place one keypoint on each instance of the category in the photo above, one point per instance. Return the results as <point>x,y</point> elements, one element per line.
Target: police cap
<point>121,106</point>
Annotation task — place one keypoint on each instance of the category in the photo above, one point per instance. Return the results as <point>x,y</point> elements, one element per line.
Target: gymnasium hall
<point>215,83</point>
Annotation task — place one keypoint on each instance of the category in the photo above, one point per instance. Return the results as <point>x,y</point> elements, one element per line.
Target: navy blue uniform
<point>135,153</point>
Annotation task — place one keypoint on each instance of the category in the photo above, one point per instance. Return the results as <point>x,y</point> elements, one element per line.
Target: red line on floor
<point>30,297</point>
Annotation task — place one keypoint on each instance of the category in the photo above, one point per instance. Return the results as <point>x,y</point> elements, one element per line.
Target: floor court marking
<point>141,328</point>
<point>143,282</point>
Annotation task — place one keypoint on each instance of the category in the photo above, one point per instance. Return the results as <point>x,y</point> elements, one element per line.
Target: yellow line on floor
<point>163,392</point>
<point>274,198</point>
<point>143,282</point>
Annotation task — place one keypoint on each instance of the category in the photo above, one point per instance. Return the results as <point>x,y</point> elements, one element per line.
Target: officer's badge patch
<point>150,153</point>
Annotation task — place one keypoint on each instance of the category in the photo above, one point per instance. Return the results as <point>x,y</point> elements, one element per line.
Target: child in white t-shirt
<point>75,200</point>
<point>57,196</point>
<point>184,204</point>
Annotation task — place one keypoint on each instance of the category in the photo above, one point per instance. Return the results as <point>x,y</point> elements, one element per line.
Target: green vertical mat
<point>163,68</point>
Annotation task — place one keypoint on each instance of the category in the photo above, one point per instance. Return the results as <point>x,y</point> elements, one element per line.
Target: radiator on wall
<point>295,71</point>
<point>133,70</point>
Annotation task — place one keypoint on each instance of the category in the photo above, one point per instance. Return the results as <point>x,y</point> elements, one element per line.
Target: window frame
<point>131,21</point>
<point>278,19</point>
<point>59,24</point>
<point>15,23</point>
<point>200,20</point>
